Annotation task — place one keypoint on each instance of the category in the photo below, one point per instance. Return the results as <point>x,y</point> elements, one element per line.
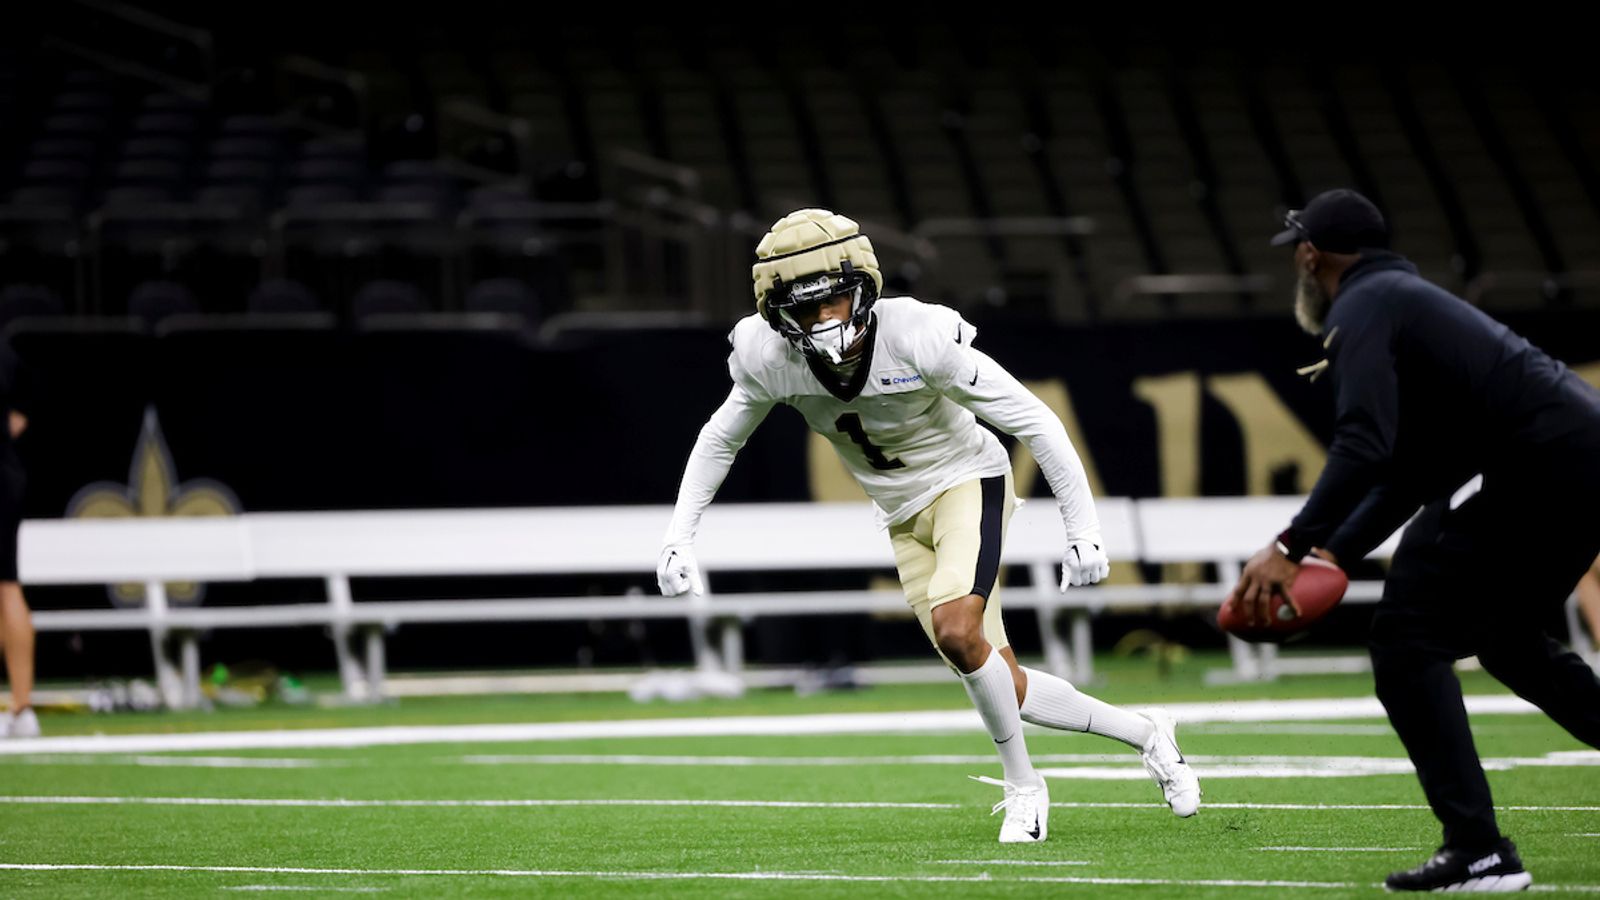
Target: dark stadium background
<point>362,257</point>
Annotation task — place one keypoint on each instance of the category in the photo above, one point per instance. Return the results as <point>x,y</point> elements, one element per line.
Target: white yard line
<point>1122,766</point>
<point>787,726</point>
<point>1315,807</point>
<point>1125,766</point>
<point>1276,766</point>
<point>983,878</point>
<point>199,762</point>
<point>337,803</point>
<point>1011,862</point>
<point>632,759</point>
<point>306,888</point>
<point>1341,849</point>
<point>1290,728</point>
<point>1349,768</point>
<point>684,876</point>
<point>387,804</point>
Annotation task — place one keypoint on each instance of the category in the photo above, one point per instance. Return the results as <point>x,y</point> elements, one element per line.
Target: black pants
<point>11,486</point>
<point>1481,579</point>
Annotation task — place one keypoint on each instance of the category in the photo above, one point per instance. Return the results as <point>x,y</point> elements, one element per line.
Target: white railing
<point>336,546</point>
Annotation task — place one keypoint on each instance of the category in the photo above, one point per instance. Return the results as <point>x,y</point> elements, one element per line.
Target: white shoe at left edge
<point>21,725</point>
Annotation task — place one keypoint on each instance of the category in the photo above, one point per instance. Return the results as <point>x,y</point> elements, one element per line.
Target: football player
<point>896,386</point>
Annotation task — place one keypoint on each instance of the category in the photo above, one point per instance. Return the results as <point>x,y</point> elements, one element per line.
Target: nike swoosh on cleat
<point>958,334</point>
<point>1035,832</point>
<point>974,377</point>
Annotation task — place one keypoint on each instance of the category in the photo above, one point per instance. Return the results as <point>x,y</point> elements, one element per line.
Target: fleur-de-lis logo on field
<point>153,490</point>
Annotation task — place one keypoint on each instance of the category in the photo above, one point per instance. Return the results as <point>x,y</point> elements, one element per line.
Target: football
<point>1318,587</point>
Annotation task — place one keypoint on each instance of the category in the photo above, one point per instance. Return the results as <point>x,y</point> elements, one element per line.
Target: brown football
<point>1318,587</point>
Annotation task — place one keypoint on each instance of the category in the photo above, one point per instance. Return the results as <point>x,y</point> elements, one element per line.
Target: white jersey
<point>905,423</point>
<point>897,432</point>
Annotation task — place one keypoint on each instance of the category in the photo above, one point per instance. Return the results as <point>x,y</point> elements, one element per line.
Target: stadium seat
<point>63,148</point>
<point>19,300</point>
<point>503,295</point>
<point>251,171</point>
<point>135,194</point>
<point>281,295</point>
<point>153,301</point>
<point>248,199</point>
<point>305,196</point>
<point>172,124</point>
<point>76,124</point>
<point>158,147</point>
<point>250,146</point>
<point>385,297</point>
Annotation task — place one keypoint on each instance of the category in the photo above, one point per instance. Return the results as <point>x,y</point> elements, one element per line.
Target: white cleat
<point>1164,761</point>
<point>22,725</point>
<point>1027,811</point>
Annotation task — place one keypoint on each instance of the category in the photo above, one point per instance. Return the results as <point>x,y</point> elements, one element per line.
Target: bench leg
<point>351,675</point>
<point>1082,648</point>
<point>168,681</point>
<point>189,658</point>
<point>705,658</point>
<point>732,645</point>
<point>375,663</point>
<point>1057,658</point>
<point>1268,655</point>
<point>1245,666</point>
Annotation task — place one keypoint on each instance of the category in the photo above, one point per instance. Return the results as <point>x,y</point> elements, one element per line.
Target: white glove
<point>1084,563</point>
<point>677,572</point>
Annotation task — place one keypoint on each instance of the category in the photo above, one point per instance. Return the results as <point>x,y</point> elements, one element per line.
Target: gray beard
<point>1311,304</point>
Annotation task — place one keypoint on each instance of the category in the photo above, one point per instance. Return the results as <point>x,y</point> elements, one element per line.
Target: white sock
<point>1055,703</point>
<point>995,695</point>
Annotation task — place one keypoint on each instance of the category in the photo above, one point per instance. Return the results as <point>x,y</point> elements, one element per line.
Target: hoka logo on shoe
<point>1492,859</point>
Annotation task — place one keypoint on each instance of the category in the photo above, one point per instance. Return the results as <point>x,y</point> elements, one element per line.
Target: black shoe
<point>1496,869</point>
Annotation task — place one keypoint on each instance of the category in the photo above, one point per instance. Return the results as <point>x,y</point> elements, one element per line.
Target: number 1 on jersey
<point>850,423</point>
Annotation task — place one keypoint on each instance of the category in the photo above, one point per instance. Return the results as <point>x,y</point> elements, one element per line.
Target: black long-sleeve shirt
<point>15,394</point>
<point>1429,392</point>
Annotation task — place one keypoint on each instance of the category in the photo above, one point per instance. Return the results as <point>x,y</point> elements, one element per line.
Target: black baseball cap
<point>1338,221</point>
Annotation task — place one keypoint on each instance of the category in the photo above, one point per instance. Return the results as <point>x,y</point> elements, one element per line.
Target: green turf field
<point>876,814</point>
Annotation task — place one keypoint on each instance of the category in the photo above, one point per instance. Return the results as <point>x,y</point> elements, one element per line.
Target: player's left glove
<point>1085,563</point>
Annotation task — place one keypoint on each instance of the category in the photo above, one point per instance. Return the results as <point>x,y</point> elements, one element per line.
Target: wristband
<point>1289,547</point>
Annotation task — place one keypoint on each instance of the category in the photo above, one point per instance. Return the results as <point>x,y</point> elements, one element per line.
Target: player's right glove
<point>677,572</point>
